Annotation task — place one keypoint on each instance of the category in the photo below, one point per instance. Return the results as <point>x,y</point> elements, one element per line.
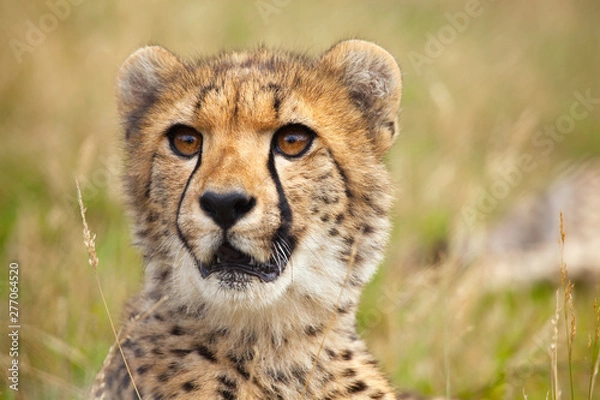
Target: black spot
<point>325,217</point>
<point>349,373</point>
<point>228,382</point>
<point>330,353</point>
<point>157,351</point>
<point>239,365</point>
<point>227,394</point>
<point>311,330</point>
<point>357,387</point>
<point>278,376</point>
<point>177,330</point>
<point>327,377</point>
<point>347,355</point>
<point>217,335</point>
<point>299,373</point>
<point>339,218</point>
<point>334,394</point>
<point>125,382</point>
<point>391,126</point>
<point>164,275</point>
<point>206,353</point>
<point>181,352</point>
<point>164,377</point>
<point>368,229</point>
<point>181,310</point>
<point>143,233</point>
<point>345,308</point>
<point>189,386</point>
<point>355,281</point>
<point>139,352</point>
<point>142,369</point>
<point>158,317</point>
<point>151,217</point>
<point>174,367</point>
<point>155,295</point>
<point>249,339</point>
<point>363,99</point>
<point>247,63</point>
<point>333,232</point>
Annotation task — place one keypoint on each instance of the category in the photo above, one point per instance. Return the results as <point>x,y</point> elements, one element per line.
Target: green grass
<point>513,70</point>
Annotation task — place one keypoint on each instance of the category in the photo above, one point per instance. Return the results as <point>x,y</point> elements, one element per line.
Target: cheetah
<point>259,196</point>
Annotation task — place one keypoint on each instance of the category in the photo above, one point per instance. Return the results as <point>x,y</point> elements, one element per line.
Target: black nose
<point>226,208</point>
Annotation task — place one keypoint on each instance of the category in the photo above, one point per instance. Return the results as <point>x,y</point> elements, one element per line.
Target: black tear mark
<point>282,235</point>
<point>180,234</point>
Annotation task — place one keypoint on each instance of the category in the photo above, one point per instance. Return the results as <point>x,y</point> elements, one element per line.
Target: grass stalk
<point>594,348</point>
<point>89,240</point>
<point>568,309</point>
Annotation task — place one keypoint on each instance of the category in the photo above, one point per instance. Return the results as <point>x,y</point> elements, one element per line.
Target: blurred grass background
<point>476,103</point>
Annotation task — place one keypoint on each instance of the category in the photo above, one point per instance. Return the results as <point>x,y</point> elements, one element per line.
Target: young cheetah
<point>260,202</point>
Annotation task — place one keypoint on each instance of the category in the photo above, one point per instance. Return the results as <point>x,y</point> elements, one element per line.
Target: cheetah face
<point>251,175</point>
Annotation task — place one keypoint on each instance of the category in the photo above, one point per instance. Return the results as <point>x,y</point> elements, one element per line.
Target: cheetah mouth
<point>231,263</point>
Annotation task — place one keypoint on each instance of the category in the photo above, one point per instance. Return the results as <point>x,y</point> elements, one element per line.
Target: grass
<point>467,117</point>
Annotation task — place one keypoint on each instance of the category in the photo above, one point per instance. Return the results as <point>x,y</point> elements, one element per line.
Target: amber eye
<point>293,140</point>
<point>185,141</point>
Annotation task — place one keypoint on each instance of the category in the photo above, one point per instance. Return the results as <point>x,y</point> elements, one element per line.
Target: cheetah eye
<point>185,141</point>
<point>293,140</point>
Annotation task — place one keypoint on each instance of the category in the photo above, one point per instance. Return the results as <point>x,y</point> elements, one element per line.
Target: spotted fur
<point>320,217</point>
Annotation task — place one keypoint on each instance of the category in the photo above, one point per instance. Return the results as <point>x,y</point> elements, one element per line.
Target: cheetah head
<point>256,178</point>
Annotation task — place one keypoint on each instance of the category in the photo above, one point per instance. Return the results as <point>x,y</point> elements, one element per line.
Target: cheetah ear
<point>374,83</point>
<point>141,79</point>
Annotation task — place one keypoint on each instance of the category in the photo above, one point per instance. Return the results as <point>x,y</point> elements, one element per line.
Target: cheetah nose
<point>226,208</point>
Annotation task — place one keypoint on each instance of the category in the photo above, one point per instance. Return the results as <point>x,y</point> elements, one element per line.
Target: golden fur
<point>320,217</point>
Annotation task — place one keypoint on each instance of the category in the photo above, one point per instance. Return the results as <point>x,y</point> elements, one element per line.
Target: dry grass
<point>89,240</point>
<point>466,119</point>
